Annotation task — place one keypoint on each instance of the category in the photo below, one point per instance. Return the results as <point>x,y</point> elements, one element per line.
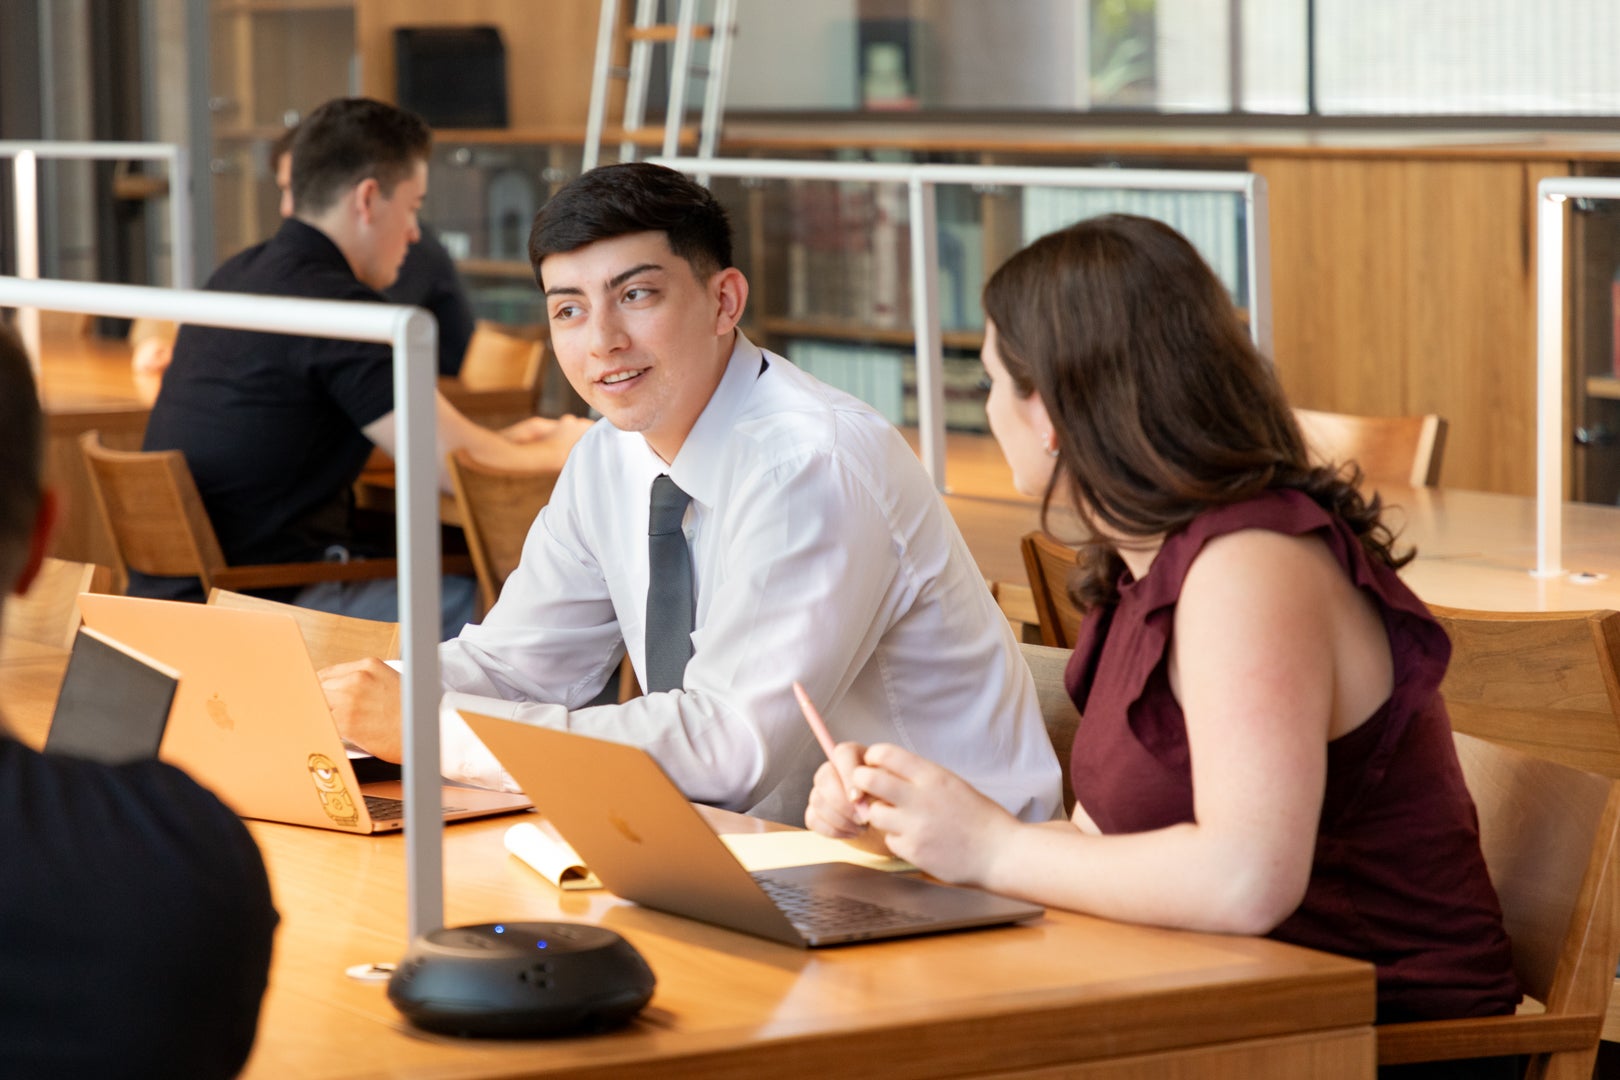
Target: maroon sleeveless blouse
<point>1397,877</point>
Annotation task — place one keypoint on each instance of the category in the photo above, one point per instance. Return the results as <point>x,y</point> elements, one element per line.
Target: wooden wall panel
<point>1408,287</point>
<point>550,47</point>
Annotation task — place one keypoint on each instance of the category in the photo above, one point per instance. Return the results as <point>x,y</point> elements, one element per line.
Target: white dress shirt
<point>820,553</point>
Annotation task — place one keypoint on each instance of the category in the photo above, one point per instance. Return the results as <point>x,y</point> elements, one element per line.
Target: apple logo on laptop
<point>218,713</point>
<point>624,828</point>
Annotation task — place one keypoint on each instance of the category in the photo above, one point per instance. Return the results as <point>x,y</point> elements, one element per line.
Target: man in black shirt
<point>427,279</point>
<point>135,914</point>
<point>276,427</point>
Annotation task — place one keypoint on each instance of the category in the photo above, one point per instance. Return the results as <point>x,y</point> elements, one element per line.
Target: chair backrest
<point>1545,682</point>
<point>1047,665</point>
<point>503,357</point>
<point>66,324</point>
<point>1393,451</point>
<point>150,506</point>
<point>1017,602</point>
<point>497,507</point>
<point>48,613</point>
<point>1550,835</point>
<point>1050,565</point>
<point>331,639</point>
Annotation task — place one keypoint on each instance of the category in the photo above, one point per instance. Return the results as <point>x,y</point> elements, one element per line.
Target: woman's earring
<point>1051,445</point>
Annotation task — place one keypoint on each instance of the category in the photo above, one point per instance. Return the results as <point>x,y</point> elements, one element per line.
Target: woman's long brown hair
<point>1162,406</point>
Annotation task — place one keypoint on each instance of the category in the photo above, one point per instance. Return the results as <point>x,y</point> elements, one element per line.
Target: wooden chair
<point>502,357</point>
<point>1393,451</point>
<point>331,639</point>
<point>1551,835</point>
<point>1050,565</point>
<point>1047,665</point>
<point>1544,682</point>
<point>152,511</point>
<point>48,613</point>
<point>1017,602</point>
<point>66,324</point>
<point>497,507</point>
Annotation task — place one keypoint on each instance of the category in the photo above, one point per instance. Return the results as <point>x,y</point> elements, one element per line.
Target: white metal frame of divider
<point>920,181</point>
<point>413,333</point>
<point>25,174</point>
<point>1552,194</point>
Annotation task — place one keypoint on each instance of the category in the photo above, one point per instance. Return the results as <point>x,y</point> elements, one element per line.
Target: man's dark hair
<point>21,457</point>
<point>348,140</point>
<point>634,197</point>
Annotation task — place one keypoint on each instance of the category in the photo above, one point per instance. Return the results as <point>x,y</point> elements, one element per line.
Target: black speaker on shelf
<point>451,76</point>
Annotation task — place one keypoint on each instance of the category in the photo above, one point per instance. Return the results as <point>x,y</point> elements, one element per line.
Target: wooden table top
<point>1064,988</point>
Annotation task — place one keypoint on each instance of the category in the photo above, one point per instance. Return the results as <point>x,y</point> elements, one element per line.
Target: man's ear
<point>38,540</point>
<point>365,195</point>
<point>730,290</point>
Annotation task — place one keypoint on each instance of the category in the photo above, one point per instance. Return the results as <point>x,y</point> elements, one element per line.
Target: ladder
<point>643,36</point>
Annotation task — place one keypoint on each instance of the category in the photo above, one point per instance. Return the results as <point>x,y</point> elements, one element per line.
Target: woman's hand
<point>930,816</point>
<point>835,809</point>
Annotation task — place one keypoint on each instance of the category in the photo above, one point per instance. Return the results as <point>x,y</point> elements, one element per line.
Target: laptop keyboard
<point>815,912</point>
<point>382,808</point>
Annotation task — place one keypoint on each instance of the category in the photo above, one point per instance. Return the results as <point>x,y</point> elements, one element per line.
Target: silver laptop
<point>114,703</point>
<point>250,720</point>
<point>647,843</point>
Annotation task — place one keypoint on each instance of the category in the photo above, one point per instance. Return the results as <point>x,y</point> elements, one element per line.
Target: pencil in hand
<point>812,716</point>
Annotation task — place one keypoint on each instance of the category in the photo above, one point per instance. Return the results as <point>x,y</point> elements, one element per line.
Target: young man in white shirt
<point>818,549</point>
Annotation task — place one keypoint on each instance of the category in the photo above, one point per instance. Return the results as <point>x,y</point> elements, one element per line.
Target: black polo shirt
<point>271,423</point>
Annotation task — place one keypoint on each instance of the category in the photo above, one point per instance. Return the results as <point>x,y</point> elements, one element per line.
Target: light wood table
<point>1065,995</point>
<point>1475,549</point>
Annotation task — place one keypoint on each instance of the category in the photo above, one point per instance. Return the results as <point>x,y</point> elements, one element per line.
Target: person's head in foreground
<point>26,509</point>
<point>635,264</point>
<point>135,918</point>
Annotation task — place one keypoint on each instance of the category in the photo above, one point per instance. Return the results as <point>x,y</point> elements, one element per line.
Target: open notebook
<point>541,846</point>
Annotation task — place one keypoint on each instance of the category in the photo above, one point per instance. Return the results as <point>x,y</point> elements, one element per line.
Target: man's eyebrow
<point>613,283</point>
<point>620,278</point>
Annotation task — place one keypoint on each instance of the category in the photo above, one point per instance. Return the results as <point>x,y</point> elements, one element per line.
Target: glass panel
<point>1213,221</point>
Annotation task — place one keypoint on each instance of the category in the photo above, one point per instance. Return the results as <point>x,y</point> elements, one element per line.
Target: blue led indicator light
<point>539,944</point>
<point>500,929</point>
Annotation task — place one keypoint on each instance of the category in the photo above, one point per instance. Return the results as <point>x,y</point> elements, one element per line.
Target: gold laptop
<point>250,720</point>
<point>639,835</point>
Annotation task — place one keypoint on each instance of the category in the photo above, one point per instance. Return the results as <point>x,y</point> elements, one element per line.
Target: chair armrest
<point>1485,1036</point>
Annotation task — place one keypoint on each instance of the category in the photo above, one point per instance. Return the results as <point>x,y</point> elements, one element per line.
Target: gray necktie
<point>670,609</point>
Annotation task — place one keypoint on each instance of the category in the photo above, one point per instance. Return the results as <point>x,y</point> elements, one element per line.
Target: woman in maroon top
<point>1264,748</point>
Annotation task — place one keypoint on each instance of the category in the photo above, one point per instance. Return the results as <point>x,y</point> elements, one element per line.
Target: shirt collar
<point>313,243</point>
<point>697,467</point>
